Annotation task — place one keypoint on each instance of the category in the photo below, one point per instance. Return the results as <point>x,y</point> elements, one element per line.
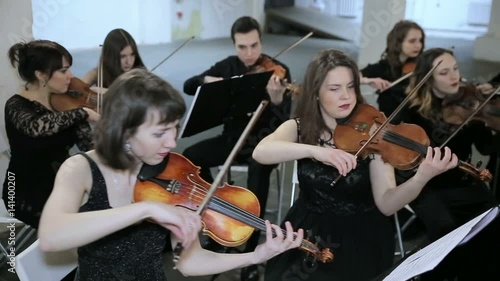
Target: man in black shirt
<point>246,36</point>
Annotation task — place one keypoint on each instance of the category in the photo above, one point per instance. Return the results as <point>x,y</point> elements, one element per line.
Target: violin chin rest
<point>151,171</point>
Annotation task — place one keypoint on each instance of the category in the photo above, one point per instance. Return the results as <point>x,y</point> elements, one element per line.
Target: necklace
<point>323,142</point>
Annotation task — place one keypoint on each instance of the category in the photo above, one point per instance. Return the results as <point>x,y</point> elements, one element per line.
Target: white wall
<point>84,24</point>
<point>379,17</point>
<point>450,18</point>
<point>16,15</point>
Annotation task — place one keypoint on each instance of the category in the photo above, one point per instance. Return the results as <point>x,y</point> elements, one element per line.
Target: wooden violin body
<point>78,95</point>
<point>457,108</point>
<point>231,215</point>
<point>265,63</point>
<point>187,189</point>
<point>404,146</point>
<point>351,136</point>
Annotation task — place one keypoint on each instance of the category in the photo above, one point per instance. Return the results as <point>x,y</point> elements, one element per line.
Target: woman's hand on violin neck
<point>183,223</point>
<point>436,163</point>
<point>279,243</point>
<point>376,83</point>
<point>275,89</point>
<point>343,161</point>
<point>93,116</point>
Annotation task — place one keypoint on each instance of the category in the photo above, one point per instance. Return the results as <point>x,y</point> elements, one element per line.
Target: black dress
<point>390,99</point>
<point>133,253</point>
<point>453,198</point>
<point>40,141</point>
<point>347,220</point>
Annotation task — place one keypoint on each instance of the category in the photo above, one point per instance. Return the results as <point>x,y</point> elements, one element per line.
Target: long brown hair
<point>117,40</point>
<point>394,44</point>
<point>428,105</point>
<point>308,108</point>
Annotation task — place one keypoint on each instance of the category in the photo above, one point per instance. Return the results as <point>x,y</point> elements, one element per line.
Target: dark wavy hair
<point>125,108</point>
<point>39,55</point>
<point>308,108</point>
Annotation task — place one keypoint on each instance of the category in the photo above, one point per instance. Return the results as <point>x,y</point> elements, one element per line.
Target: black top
<point>341,216</point>
<point>133,253</point>
<point>461,144</point>
<point>391,98</point>
<point>39,141</point>
<point>495,81</point>
<point>270,119</point>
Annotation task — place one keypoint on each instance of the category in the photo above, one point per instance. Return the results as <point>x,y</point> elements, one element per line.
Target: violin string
<point>240,214</point>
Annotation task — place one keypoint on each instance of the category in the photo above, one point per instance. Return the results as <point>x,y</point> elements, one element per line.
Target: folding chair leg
<point>399,236</point>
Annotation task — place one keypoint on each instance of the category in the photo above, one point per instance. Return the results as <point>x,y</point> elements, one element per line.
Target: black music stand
<point>213,102</point>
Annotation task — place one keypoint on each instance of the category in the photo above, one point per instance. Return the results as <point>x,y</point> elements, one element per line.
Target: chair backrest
<point>295,182</point>
<point>33,264</point>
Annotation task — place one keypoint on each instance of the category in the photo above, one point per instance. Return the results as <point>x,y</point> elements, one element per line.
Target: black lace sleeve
<point>84,137</point>
<point>34,120</point>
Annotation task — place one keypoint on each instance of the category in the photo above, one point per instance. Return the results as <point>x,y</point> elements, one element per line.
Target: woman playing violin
<point>405,42</point>
<point>351,217</point>
<point>39,137</point>
<point>91,206</point>
<point>450,199</point>
<point>119,55</point>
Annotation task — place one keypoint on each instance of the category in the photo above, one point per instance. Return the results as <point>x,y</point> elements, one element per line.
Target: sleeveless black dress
<point>346,220</point>
<point>133,253</point>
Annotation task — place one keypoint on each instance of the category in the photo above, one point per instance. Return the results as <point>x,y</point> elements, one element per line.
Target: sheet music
<point>430,256</point>
<point>186,119</point>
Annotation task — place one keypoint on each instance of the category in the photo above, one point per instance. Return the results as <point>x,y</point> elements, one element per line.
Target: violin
<point>408,66</point>
<point>457,108</point>
<point>403,146</point>
<point>231,215</point>
<point>265,63</point>
<point>78,95</point>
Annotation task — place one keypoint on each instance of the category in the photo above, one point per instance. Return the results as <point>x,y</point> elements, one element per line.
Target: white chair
<point>33,264</point>
<point>21,237</point>
<point>295,182</point>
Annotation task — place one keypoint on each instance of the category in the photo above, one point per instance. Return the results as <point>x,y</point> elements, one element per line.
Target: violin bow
<point>294,44</point>
<point>397,81</point>
<point>99,84</point>
<point>218,179</point>
<point>171,54</point>
<point>497,91</point>
<point>393,114</point>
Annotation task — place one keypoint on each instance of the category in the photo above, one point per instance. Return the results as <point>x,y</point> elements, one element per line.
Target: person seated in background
<point>454,197</point>
<point>40,137</point>
<point>119,54</point>
<point>405,42</point>
<point>212,152</point>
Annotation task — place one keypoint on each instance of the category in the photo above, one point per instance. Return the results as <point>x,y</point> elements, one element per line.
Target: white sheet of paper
<point>429,257</point>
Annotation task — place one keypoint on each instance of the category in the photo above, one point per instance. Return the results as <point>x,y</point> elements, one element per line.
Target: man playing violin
<point>246,36</point>
<point>451,198</point>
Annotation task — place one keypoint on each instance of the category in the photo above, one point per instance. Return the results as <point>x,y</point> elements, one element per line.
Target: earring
<point>43,83</point>
<point>127,147</point>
